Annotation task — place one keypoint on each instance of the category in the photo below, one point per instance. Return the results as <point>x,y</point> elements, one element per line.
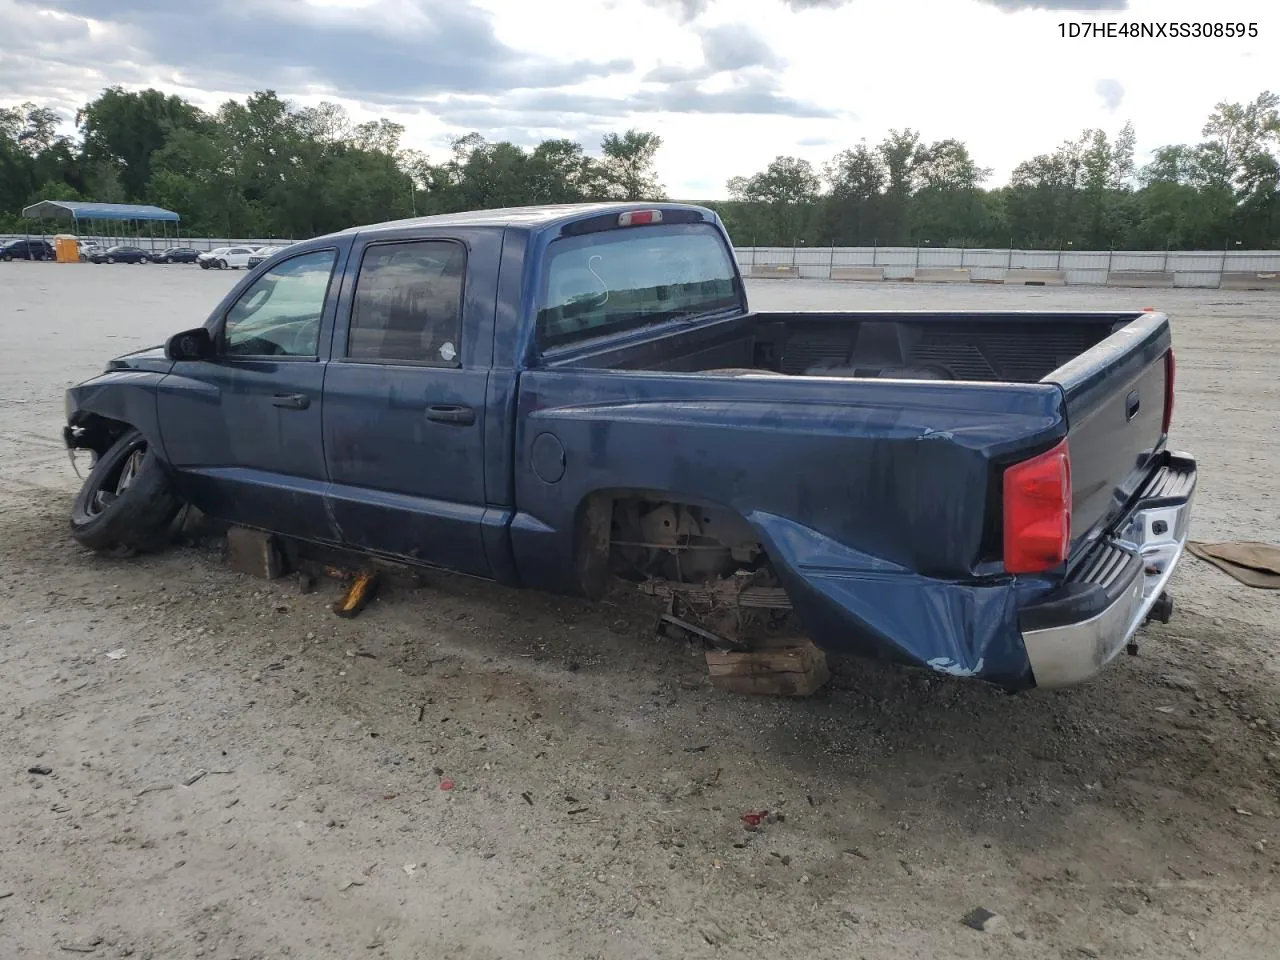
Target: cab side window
<point>408,303</point>
<point>279,315</point>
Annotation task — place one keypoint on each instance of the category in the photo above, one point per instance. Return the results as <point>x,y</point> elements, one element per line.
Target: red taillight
<point>1037,512</point>
<point>638,218</point>
<point>1169,369</point>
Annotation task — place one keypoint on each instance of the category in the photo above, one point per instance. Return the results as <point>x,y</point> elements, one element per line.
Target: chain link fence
<point>1181,268</point>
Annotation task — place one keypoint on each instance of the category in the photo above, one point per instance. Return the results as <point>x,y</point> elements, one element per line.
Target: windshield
<point>621,279</point>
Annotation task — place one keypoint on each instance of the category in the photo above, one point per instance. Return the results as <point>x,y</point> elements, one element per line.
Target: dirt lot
<point>598,780</point>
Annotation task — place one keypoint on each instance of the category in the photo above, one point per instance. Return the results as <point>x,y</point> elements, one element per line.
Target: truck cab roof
<point>529,219</point>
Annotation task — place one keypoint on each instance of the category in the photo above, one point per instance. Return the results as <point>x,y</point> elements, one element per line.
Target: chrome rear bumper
<point>1132,567</point>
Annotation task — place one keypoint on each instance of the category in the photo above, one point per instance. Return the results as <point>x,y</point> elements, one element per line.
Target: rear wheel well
<point>645,534</point>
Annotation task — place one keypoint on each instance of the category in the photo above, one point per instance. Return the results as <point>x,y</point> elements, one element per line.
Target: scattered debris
<point>349,884</point>
<point>195,777</point>
<point>422,712</point>
<point>712,933</point>
<point>752,821</point>
<point>855,852</point>
<point>984,920</point>
<point>701,748</point>
<point>409,869</point>
<point>117,654</point>
<point>1087,951</point>
<point>81,946</point>
<point>1243,812</point>
<point>6,895</point>
<point>362,590</point>
<point>40,770</point>
<point>577,810</point>
<point>155,788</point>
<point>527,798</point>
<point>446,784</point>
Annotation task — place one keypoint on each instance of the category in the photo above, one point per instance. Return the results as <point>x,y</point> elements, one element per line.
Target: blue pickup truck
<point>559,397</point>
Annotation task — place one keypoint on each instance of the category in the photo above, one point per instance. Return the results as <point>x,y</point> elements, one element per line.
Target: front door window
<point>279,315</point>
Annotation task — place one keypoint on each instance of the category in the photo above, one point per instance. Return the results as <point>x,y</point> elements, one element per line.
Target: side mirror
<point>189,345</point>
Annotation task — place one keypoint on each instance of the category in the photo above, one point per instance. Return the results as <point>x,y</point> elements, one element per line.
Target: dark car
<point>569,397</point>
<point>27,250</point>
<point>178,255</point>
<point>121,254</point>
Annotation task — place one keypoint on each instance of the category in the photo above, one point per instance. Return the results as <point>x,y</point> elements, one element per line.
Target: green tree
<point>626,171</point>
<point>122,131</point>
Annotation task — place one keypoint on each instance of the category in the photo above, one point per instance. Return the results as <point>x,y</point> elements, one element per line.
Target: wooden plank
<point>792,671</point>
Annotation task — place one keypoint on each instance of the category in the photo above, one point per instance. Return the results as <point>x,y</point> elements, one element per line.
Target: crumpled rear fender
<point>854,603</point>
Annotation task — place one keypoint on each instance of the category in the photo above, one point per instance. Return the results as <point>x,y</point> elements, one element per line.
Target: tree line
<point>1086,194</point>
<point>267,168</point>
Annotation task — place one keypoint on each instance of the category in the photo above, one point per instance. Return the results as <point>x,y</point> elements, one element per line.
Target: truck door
<point>243,428</point>
<point>404,398</point>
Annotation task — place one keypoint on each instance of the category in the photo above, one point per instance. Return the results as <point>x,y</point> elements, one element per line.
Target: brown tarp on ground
<point>1253,564</point>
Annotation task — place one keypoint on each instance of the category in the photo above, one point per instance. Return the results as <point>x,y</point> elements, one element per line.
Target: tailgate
<point>1115,408</point>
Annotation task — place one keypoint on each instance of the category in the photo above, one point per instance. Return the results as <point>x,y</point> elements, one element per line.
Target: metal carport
<point>121,214</point>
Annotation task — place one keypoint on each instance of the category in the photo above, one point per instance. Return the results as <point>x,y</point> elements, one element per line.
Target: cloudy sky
<point>729,84</point>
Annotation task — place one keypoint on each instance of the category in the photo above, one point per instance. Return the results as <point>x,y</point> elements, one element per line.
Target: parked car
<point>225,258</point>
<point>30,249</point>
<point>987,495</point>
<point>261,255</point>
<point>87,248</point>
<point>178,255</point>
<point>120,254</point>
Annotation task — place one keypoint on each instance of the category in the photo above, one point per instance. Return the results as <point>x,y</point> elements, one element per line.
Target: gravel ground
<point>597,781</point>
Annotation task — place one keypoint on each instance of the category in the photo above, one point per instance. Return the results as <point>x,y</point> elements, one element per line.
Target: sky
<point>727,84</point>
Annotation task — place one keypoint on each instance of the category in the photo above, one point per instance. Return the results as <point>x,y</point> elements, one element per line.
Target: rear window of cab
<point>610,281</point>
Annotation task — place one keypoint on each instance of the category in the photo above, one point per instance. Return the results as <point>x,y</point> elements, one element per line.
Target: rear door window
<point>408,303</point>
<point>615,280</point>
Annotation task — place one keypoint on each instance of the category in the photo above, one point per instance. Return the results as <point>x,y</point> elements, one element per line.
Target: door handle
<point>1131,404</point>
<point>451,413</point>
<point>291,401</point>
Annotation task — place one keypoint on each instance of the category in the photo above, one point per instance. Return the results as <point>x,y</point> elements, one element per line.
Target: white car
<point>225,258</point>
<point>264,253</point>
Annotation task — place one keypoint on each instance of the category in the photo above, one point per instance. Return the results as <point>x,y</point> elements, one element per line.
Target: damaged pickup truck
<point>553,397</point>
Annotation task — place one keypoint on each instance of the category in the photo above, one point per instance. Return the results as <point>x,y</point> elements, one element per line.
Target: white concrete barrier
<point>776,271</point>
<point>1250,281</point>
<point>942,274</point>
<point>857,273</point>
<point>1139,278</point>
<point>1028,277</point>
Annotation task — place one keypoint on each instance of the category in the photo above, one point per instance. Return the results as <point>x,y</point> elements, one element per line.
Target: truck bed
<point>1014,347</point>
<point>1096,362</point>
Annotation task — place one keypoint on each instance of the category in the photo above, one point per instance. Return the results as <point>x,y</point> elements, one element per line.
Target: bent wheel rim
<point>116,482</point>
